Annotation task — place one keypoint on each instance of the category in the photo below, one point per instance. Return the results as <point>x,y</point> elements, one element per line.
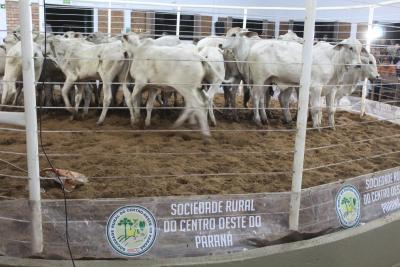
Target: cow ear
<point>76,35</point>
<point>339,46</point>
<point>125,38</point>
<point>364,52</point>
<point>251,34</point>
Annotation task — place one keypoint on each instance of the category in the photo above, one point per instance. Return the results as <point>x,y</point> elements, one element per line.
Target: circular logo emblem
<point>348,206</point>
<point>131,230</point>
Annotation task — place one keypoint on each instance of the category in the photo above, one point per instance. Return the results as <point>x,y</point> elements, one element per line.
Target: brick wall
<point>117,21</point>
<point>344,30</point>
<point>362,29</point>
<point>12,12</point>
<point>283,27</point>
<point>206,25</point>
<point>138,21</point>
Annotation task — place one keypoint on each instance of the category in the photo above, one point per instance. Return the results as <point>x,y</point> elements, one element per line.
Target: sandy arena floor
<point>171,163</point>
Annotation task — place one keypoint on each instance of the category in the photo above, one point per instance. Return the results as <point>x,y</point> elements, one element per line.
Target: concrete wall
<point>373,244</point>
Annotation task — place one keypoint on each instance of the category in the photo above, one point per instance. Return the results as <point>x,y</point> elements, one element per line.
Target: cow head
<point>130,42</point>
<point>234,36</point>
<point>369,68</point>
<point>349,51</point>
<point>11,39</point>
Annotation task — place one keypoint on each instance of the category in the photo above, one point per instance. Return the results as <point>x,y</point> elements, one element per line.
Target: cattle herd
<point>88,64</point>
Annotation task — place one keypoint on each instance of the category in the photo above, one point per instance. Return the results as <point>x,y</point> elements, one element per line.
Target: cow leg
<point>284,99</point>
<point>263,108</point>
<point>149,105</point>
<point>64,92</point>
<point>136,101</point>
<point>48,95</point>
<point>78,98</point>
<point>246,95</point>
<point>257,93</point>
<point>89,89</point>
<point>315,102</point>
<point>331,105</point>
<point>16,94</point>
<point>210,93</point>
<point>106,101</point>
<point>9,91</point>
<point>232,99</point>
<point>128,100</point>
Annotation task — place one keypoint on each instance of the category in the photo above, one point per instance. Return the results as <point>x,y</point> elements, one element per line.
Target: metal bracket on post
<point>244,18</point>
<point>298,162</point>
<point>368,48</point>
<point>178,20</point>
<point>31,126</point>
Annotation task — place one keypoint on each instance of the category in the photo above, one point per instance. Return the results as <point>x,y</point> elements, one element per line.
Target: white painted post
<point>31,125</point>
<point>244,18</point>
<point>95,19</point>
<point>309,25</point>
<point>368,47</point>
<point>213,21</point>
<point>109,19</point>
<point>41,16</point>
<point>127,21</point>
<point>353,30</point>
<point>3,21</point>
<point>277,28</point>
<point>178,20</point>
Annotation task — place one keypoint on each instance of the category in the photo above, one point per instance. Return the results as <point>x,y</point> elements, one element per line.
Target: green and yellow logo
<point>131,230</point>
<point>348,206</point>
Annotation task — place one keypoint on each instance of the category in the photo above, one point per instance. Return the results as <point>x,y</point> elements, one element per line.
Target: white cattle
<point>175,67</point>
<point>11,39</point>
<point>168,40</point>
<point>214,75</point>
<point>279,62</point>
<point>72,35</point>
<point>231,72</point>
<point>210,41</point>
<point>13,72</point>
<point>83,61</point>
<point>291,36</point>
<point>101,38</point>
<point>349,82</point>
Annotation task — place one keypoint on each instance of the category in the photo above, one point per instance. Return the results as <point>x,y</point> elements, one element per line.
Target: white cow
<point>210,41</point>
<point>11,39</point>
<point>349,82</point>
<point>13,72</point>
<point>101,38</point>
<point>279,62</point>
<point>291,36</point>
<point>214,75</point>
<point>83,61</point>
<point>175,67</point>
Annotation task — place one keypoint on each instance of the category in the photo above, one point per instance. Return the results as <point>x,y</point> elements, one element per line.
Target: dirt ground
<point>121,161</point>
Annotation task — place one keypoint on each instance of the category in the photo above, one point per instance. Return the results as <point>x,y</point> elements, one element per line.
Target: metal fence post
<point>298,161</point>
<point>244,18</point>
<point>109,19</point>
<point>368,47</point>
<point>31,125</point>
<point>178,21</point>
